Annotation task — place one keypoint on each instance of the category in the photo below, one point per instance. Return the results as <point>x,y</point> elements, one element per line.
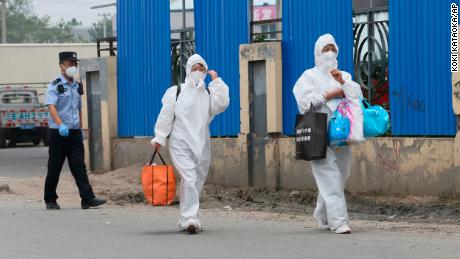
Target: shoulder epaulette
<point>55,81</point>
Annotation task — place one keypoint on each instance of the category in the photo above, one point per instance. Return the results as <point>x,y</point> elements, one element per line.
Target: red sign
<point>267,12</point>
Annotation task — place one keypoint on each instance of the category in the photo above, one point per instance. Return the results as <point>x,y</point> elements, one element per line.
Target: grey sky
<point>80,9</point>
<point>68,9</point>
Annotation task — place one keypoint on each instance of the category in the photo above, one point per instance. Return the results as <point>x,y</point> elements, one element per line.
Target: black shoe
<point>191,229</point>
<point>92,203</point>
<point>52,206</point>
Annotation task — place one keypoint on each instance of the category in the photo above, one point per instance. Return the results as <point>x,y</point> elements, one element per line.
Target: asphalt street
<point>29,231</point>
<point>25,161</point>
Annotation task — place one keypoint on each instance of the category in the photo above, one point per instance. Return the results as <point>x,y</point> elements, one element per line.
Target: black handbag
<point>311,138</point>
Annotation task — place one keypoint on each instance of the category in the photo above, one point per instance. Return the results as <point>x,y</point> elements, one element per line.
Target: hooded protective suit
<point>331,173</point>
<point>187,120</point>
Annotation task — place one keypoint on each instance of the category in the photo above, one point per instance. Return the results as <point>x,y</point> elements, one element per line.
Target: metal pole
<point>103,6</point>
<point>183,37</point>
<point>184,17</point>
<point>279,6</point>
<point>370,51</point>
<point>105,27</point>
<point>251,19</point>
<point>3,21</point>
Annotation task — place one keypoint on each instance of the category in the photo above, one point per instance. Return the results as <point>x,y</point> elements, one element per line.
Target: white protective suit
<point>187,120</point>
<point>332,172</point>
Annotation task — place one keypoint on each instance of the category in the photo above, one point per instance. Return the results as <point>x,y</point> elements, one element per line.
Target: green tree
<point>25,27</point>
<point>97,30</point>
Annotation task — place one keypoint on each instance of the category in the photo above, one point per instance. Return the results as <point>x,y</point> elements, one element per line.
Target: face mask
<point>330,55</point>
<point>197,76</point>
<point>71,71</point>
<point>327,61</point>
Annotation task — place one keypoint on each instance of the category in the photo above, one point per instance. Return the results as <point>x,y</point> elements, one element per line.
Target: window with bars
<point>371,32</point>
<point>182,37</point>
<point>265,24</point>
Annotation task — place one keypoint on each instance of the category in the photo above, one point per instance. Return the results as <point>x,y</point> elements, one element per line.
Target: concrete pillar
<point>271,53</point>
<point>263,150</point>
<point>100,118</point>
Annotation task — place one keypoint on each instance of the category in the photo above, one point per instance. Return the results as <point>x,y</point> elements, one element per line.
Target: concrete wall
<point>401,166</point>
<point>229,165</point>
<point>30,63</point>
<point>420,166</point>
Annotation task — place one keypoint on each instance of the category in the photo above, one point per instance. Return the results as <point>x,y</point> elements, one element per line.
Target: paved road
<point>29,231</point>
<point>24,161</point>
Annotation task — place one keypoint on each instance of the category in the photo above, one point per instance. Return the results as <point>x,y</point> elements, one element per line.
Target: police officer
<point>65,134</point>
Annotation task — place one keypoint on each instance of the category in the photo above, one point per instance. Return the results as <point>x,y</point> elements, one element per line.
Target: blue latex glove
<point>63,130</point>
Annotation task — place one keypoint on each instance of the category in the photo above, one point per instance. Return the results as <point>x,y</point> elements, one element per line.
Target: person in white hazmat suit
<point>185,116</point>
<point>322,87</point>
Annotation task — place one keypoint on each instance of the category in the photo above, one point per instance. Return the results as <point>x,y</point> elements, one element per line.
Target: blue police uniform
<point>65,95</point>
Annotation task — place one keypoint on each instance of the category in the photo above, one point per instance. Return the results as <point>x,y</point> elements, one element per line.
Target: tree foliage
<point>23,26</point>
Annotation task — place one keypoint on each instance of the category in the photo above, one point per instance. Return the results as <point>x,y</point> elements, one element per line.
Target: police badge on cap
<point>68,55</point>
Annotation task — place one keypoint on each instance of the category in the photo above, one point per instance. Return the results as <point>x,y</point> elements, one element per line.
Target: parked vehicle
<point>22,117</point>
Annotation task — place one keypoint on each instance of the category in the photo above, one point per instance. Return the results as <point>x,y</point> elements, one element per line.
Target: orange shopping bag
<point>158,182</point>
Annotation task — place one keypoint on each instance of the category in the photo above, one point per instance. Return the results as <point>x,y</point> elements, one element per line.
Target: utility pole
<point>3,5</point>
<point>104,24</point>
<point>105,16</point>
<point>105,27</point>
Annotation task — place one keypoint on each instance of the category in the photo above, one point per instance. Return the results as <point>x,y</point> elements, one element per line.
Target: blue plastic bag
<point>376,119</point>
<point>339,128</point>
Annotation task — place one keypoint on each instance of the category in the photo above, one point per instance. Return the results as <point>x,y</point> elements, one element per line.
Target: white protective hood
<point>321,61</point>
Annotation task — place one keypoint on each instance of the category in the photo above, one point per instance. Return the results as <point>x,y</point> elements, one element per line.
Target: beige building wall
<point>36,63</point>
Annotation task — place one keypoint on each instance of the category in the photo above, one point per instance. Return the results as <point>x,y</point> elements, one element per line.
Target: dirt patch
<point>419,208</point>
<point>364,207</point>
<point>123,187</point>
<point>4,188</point>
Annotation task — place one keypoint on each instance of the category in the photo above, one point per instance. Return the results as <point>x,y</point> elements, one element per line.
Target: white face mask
<point>71,71</point>
<point>327,61</point>
<point>197,76</point>
<point>330,55</point>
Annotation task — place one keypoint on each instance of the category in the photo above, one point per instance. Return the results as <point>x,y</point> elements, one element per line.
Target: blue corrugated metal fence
<point>419,52</point>
<point>220,27</point>
<point>144,64</point>
<point>419,72</point>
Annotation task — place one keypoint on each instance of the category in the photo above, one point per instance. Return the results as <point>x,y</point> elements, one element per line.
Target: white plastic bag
<point>355,116</point>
